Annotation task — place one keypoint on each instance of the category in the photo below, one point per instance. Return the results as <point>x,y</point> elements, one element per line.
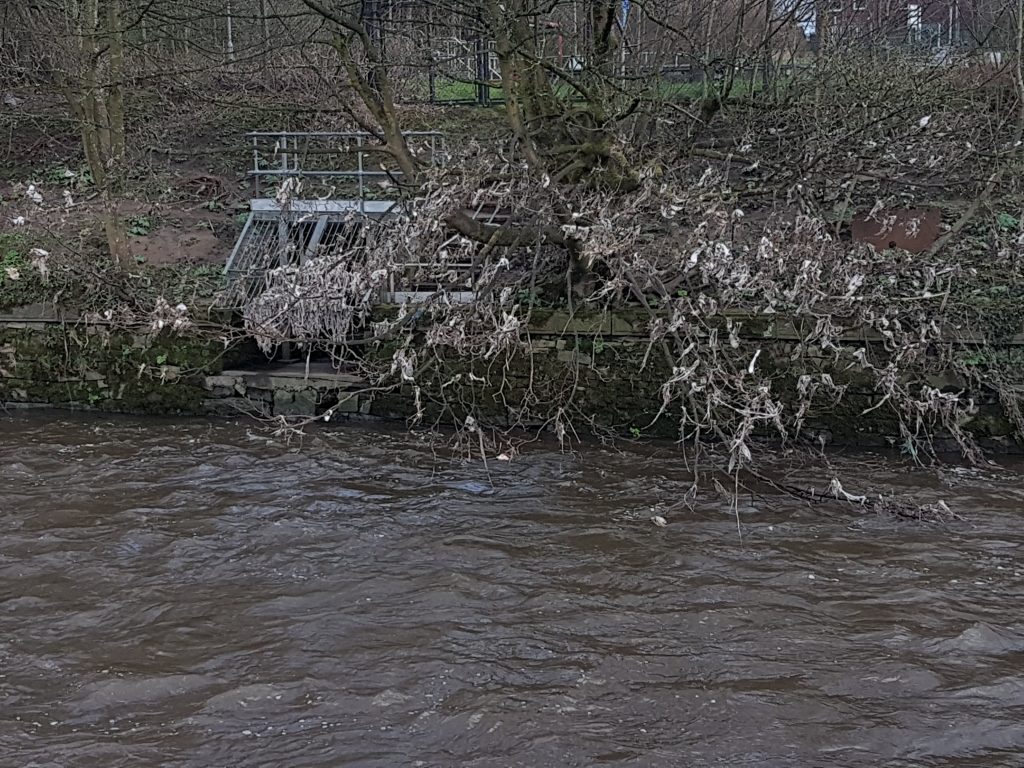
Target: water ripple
<point>193,594</point>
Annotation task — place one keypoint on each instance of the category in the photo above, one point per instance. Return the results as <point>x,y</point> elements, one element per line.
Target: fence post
<point>483,72</point>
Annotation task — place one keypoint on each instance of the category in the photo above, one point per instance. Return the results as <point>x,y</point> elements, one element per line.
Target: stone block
<point>621,326</point>
<point>347,403</point>
<point>572,356</point>
<point>37,311</point>
<point>305,402</point>
<point>947,380</point>
<point>219,382</point>
<point>302,403</point>
<point>256,395</point>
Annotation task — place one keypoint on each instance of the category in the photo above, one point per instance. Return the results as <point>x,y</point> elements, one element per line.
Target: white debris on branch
<point>672,247</point>
<point>165,317</point>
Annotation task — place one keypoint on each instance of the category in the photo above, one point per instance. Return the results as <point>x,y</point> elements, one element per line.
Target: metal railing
<point>322,157</point>
<point>314,219</point>
<point>338,196</point>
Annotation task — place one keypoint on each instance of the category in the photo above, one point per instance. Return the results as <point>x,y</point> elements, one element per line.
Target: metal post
<point>282,222</point>
<point>359,155</point>
<point>255,167</point>
<point>431,63</point>
<point>483,88</point>
<point>374,24</point>
<point>431,76</point>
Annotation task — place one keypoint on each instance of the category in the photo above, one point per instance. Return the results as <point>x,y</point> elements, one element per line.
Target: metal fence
<point>321,192</point>
<point>352,165</point>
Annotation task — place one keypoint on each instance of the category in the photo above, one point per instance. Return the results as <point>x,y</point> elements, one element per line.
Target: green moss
<point>119,372</point>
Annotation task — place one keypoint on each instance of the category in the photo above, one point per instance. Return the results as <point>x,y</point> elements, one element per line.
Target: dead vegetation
<point>721,214</point>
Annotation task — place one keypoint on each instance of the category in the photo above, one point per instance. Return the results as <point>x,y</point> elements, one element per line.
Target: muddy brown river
<point>195,594</point>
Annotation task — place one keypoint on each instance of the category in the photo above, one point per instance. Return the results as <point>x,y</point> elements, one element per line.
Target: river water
<point>196,594</point>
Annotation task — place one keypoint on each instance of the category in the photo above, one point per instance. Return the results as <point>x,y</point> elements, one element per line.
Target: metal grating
<point>258,248</point>
<point>320,166</point>
<point>274,237</point>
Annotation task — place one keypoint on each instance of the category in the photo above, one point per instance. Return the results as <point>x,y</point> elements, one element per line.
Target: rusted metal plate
<point>910,229</point>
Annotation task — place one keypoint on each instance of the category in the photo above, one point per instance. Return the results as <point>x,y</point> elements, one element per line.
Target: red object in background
<point>910,229</point>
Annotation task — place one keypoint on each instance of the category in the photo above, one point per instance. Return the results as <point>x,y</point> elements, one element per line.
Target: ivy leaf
<point>1006,221</point>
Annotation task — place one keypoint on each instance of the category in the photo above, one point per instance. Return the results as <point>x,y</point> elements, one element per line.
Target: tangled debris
<point>707,278</point>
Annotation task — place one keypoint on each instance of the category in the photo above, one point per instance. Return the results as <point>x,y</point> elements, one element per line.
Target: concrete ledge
<point>286,391</point>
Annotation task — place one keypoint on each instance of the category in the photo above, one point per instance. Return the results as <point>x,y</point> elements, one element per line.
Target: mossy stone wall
<point>90,367</point>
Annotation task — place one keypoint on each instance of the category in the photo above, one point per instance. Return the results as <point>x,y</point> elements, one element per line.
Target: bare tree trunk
<point>1019,72</point>
<point>372,82</point>
<point>115,85</point>
<point>95,96</point>
<point>231,35</point>
<point>265,28</point>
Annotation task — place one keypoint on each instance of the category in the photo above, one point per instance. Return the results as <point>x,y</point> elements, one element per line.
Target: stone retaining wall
<point>606,364</point>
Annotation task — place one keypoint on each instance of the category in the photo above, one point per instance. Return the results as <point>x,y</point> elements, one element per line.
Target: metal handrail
<point>289,152</point>
<point>298,172</point>
<point>340,134</point>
